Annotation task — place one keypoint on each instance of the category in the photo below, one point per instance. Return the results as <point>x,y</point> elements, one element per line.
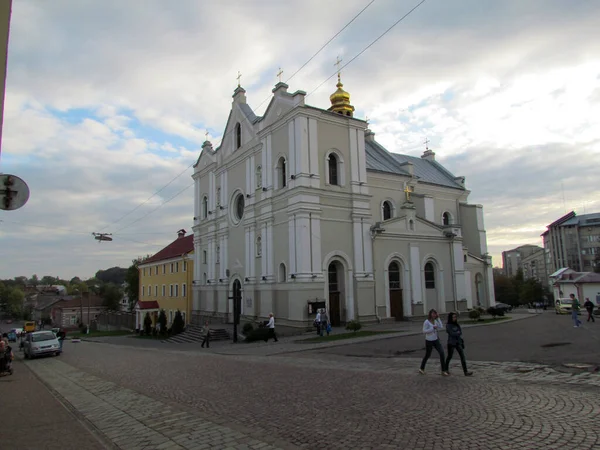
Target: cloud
<point>107,102</point>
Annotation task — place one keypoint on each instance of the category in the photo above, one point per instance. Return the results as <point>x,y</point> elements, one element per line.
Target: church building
<point>302,209</point>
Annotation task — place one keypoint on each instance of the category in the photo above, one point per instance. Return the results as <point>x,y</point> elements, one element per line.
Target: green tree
<point>162,321</point>
<point>48,280</point>
<point>531,291</point>
<point>132,278</point>
<point>178,323</point>
<point>147,324</point>
<point>75,280</point>
<point>22,281</point>
<point>112,295</point>
<point>34,281</point>
<point>505,290</point>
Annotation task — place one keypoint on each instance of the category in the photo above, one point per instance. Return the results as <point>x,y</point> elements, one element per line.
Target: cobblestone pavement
<point>313,400</point>
<point>133,421</point>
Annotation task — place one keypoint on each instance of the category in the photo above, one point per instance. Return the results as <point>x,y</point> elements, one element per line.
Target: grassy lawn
<point>486,320</point>
<point>338,337</point>
<point>98,334</point>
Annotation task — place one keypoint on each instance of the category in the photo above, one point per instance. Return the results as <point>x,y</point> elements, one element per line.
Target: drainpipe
<point>452,235</point>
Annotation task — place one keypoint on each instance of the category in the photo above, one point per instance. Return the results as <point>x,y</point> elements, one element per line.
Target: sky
<point>108,102</point>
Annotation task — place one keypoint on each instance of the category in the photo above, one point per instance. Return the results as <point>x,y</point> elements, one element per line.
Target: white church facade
<point>302,208</point>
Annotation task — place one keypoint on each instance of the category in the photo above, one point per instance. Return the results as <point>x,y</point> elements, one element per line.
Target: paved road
<point>547,338</point>
<point>329,401</point>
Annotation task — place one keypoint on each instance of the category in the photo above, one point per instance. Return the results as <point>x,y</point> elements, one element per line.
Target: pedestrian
<point>318,323</point>
<point>206,332</point>
<point>455,341</point>
<point>271,327</point>
<point>589,306</point>
<point>431,326</point>
<point>575,311</point>
<point>325,322</point>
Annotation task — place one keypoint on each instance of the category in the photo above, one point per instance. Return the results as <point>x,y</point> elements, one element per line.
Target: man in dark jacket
<point>589,306</point>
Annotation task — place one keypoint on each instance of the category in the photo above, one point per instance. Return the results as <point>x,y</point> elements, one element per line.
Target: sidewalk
<point>292,344</point>
<point>33,418</point>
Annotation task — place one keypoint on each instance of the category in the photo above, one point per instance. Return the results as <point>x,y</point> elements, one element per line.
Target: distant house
<point>581,284</point>
<point>84,309</point>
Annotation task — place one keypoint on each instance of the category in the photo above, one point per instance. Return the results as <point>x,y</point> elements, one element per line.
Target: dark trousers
<point>206,341</point>
<point>271,335</point>
<point>461,353</point>
<point>429,346</point>
<point>590,315</point>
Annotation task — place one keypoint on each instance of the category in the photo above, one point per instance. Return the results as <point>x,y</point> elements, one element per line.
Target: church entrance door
<point>335,286</point>
<point>395,290</point>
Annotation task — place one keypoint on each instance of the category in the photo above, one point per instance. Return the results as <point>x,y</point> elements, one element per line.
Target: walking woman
<point>430,328</point>
<point>455,341</point>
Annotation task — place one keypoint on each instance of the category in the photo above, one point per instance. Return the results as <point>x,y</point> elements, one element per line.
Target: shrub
<point>178,323</point>
<point>474,314</point>
<point>353,325</point>
<point>257,334</point>
<point>147,324</point>
<point>247,329</point>
<point>492,311</point>
<point>162,321</point>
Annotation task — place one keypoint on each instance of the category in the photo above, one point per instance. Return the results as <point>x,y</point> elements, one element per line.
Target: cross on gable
<point>426,142</point>
<point>238,77</point>
<point>206,135</point>
<point>407,191</point>
<point>279,74</point>
<point>338,61</point>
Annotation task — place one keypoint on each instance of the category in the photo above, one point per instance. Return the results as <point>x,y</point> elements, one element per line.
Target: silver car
<point>41,343</point>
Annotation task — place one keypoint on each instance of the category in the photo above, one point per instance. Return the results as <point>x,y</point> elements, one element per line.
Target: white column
<point>211,260</point>
<point>224,257</point>
<point>248,177</point>
<point>316,243</point>
<point>313,152</point>
<point>415,272</point>
<point>264,260</point>
<point>358,245</point>
<point>196,197</point>
<point>247,252</point>
<point>292,243</point>
<point>224,188</point>
<point>459,271</point>
<point>270,249</point>
<point>367,247</point>
<point>362,159</point>
<point>211,191</point>
<point>301,135</point>
<point>252,272</point>
<point>354,162</point>
<point>303,248</point>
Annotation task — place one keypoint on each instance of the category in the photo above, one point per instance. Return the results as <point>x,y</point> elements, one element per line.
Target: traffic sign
<point>14,192</point>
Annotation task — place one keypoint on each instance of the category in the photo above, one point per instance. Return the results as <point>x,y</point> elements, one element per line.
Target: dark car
<point>503,307</point>
<point>12,336</point>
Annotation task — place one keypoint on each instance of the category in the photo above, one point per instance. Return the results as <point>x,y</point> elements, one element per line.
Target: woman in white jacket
<point>431,327</point>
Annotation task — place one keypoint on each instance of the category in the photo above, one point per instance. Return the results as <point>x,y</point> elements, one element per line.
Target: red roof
<point>151,304</point>
<point>178,247</point>
<point>93,301</point>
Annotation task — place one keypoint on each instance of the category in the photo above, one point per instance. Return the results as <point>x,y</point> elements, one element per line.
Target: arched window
<point>238,135</point>
<point>204,207</point>
<point>282,273</point>
<point>394,275</point>
<point>332,164</point>
<point>282,172</point>
<point>446,218</point>
<point>387,210</point>
<point>411,225</point>
<point>429,276</point>
<point>258,177</point>
<point>258,246</point>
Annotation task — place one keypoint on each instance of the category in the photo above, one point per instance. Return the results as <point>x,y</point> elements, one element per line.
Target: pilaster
<point>415,272</point>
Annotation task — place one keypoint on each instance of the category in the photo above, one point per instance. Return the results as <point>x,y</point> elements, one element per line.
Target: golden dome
<point>340,100</point>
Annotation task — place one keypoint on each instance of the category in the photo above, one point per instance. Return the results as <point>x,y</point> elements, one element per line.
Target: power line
<point>245,118</point>
<point>148,199</point>
<point>369,46</point>
<point>155,209</point>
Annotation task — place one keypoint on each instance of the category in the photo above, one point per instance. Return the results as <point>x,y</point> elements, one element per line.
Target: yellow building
<point>166,281</point>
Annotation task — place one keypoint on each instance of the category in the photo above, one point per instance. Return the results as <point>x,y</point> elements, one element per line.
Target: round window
<point>239,207</point>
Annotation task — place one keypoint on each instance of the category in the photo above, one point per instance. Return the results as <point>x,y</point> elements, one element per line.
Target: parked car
<point>503,307</point>
<point>41,343</point>
<point>12,336</point>
<point>563,305</point>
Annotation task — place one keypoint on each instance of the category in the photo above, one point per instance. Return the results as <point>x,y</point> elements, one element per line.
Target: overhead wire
<point>231,131</point>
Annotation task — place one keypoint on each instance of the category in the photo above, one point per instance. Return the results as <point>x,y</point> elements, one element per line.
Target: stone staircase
<point>193,333</point>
